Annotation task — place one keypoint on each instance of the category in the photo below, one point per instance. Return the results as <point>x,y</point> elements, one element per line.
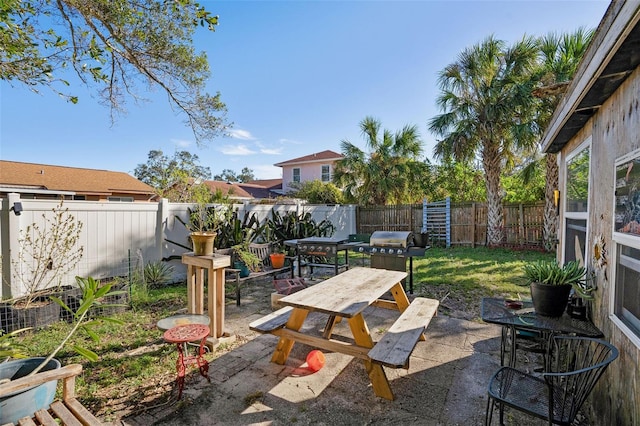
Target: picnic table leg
<point>285,345</point>
<point>400,296</point>
<point>328,328</point>
<point>375,371</point>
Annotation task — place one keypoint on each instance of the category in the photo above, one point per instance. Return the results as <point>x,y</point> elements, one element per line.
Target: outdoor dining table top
<point>495,310</point>
<point>347,294</point>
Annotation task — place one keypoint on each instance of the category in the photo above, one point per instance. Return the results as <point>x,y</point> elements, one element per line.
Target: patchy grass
<point>461,277</point>
<point>136,369</point>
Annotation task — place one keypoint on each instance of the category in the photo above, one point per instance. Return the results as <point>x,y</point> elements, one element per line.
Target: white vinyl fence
<point>119,237</point>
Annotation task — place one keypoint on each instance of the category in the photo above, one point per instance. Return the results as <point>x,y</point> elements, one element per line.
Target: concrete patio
<point>445,384</point>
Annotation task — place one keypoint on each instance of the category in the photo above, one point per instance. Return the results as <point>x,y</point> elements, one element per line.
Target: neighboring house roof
<point>323,156</point>
<point>31,176</point>
<point>611,57</point>
<point>272,184</point>
<point>258,191</point>
<point>233,190</point>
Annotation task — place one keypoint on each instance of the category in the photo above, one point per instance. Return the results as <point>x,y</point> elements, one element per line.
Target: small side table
<point>181,335</point>
<point>211,267</point>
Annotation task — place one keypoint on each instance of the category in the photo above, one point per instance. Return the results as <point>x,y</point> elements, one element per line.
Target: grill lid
<point>402,239</point>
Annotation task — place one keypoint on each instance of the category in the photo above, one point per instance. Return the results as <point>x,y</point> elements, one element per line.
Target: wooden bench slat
<point>397,344</point>
<point>81,413</point>
<point>271,322</point>
<point>26,421</point>
<point>64,414</point>
<point>44,418</point>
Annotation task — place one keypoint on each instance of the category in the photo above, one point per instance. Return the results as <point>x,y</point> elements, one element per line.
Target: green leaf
<point>88,354</point>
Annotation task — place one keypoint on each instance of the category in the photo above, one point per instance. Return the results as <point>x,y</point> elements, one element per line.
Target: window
<point>326,174</point>
<point>576,201</point>
<point>121,199</point>
<point>296,174</point>
<point>625,300</point>
<point>627,294</point>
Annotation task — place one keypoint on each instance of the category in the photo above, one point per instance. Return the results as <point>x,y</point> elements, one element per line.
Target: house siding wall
<point>308,171</point>
<point>614,132</point>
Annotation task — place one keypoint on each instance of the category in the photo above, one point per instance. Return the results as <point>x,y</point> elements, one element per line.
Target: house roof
<point>267,183</point>
<point>614,53</point>
<point>14,174</point>
<point>322,156</point>
<point>233,190</point>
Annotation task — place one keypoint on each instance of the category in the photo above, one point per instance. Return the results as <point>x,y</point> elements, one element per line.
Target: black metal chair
<point>573,368</point>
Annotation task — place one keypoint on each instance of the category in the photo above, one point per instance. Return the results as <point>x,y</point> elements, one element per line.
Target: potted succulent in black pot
<point>551,285</point>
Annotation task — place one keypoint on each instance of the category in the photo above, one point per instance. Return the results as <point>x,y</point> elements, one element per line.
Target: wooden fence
<point>456,224</point>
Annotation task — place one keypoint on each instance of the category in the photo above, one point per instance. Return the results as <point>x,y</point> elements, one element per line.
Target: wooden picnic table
<point>347,295</point>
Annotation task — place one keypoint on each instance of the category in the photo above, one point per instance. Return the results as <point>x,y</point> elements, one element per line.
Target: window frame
<point>293,174</point>
<point>328,173</point>
<point>586,144</point>
<point>621,239</point>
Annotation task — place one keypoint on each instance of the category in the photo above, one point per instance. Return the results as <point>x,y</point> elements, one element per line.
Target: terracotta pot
<point>550,300</point>
<point>203,243</point>
<point>277,260</point>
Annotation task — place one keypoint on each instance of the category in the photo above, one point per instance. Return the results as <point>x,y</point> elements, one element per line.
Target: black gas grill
<point>319,251</point>
<point>390,250</point>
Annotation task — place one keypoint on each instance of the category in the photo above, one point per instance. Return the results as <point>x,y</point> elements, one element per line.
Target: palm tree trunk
<point>495,216</point>
<point>550,228</point>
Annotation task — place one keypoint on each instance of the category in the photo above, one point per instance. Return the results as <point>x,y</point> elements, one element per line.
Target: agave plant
<point>551,273</point>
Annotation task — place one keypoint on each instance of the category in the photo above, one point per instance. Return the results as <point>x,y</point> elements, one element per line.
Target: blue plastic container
<point>25,402</point>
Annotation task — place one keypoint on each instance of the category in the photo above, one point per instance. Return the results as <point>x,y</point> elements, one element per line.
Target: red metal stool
<point>181,335</point>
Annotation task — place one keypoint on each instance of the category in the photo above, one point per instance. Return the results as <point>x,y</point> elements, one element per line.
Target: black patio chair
<point>573,368</point>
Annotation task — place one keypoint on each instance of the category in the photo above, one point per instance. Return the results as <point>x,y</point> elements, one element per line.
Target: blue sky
<point>297,78</point>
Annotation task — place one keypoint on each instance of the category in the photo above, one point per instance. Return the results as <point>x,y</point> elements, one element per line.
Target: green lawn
<point>461,277</point>
<point>137,369</point>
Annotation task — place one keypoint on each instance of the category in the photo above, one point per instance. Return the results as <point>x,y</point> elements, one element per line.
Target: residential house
<point>595,132</point>
<point>320,166</point>
<point>44,181</point>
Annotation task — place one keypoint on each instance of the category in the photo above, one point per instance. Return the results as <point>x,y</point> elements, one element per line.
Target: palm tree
<point>385,175</point>
<point>488,113</point>
<point>560,56</point>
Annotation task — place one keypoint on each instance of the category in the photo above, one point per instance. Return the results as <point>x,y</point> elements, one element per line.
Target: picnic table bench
<point>68,411</point>
<point>345,296</point>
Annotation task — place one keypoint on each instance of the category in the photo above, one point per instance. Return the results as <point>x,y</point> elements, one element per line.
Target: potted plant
<point>551,284</point>
<point>245,260</point>
<point>24,402</point>
<point>203,224</point>
<point>277,257</point>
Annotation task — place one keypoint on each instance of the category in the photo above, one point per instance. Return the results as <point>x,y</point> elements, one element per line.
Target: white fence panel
<point>119,237</point>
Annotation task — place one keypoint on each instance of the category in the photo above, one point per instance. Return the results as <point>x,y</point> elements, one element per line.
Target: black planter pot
<point>40,313</point>
<point>550,300</point>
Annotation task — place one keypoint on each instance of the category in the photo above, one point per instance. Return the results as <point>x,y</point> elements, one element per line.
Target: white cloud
<point>271,151</point>
<point>244,135</point>
<point>240,149</point>
<point>181,143</point>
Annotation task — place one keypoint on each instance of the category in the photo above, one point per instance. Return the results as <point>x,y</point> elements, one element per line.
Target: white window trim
<point>626,240</point>
<point>322,174</point>
<point>293,174</point>
<point>576,215</point>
